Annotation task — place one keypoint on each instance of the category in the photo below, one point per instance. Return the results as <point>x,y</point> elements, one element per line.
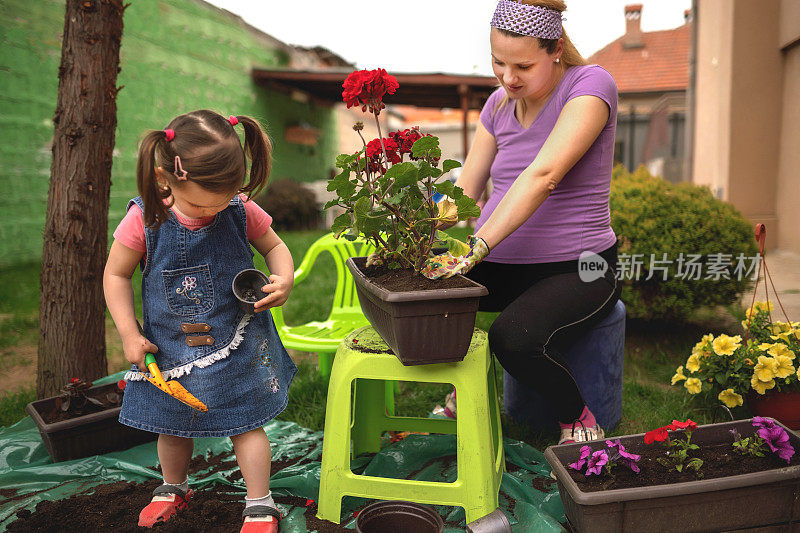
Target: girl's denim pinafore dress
<point>233,362</point>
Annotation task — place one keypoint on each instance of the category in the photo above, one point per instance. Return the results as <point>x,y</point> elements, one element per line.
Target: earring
<point>557,60</point>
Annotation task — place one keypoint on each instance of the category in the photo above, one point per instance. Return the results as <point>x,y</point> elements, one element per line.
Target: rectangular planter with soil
<point>768,499</point>
<point>93,433</point>
<point>420,326</point>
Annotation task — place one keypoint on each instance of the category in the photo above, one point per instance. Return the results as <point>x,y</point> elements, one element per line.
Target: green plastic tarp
<point>28,475</point>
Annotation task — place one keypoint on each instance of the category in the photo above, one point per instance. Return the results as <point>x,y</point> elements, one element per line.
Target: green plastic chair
<point>323,338</point>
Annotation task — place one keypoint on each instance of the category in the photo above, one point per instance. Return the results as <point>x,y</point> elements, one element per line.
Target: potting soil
<point>106,492</point>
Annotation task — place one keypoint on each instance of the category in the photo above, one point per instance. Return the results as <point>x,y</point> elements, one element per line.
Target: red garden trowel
<point>173,388</point>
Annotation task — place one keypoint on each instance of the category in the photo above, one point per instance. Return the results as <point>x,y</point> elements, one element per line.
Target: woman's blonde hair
<point>570,57</point>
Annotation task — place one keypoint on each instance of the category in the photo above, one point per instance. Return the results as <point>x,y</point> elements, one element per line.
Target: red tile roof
<point>662,64</point>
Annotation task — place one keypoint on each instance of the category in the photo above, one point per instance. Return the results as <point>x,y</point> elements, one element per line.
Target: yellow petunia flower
<point>678,375</point>
<point>761,387</point>
<point>798,372</point>
<point>765,368</point>
<point>693,363</point>
<point>765,346</point>
<point>784,365</point>
<point>784,336</point>
<point>693,385</point>
<point>730,398</point>
<point>725,345</point>
<point>780,349</point>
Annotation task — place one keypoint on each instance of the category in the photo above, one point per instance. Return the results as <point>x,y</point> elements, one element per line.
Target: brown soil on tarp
<point>115,506</point>
<point>719,460</point>
<point>405,279</point>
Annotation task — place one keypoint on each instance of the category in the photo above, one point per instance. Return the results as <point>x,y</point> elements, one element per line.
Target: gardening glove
<point>447,265</point>
<point>448,214</point>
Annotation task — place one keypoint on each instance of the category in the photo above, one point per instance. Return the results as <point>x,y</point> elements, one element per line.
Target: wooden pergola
<point>435,90</point>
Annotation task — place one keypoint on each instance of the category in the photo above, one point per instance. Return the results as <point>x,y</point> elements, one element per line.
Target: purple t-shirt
<point>575,217</point>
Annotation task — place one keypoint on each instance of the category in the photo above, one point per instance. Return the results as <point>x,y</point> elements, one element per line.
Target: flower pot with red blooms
<point>386,191</point>
<point>737,475</point>
<point>82,421</point>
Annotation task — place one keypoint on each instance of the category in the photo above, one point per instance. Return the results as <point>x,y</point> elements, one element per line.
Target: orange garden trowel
<point>173,388</point>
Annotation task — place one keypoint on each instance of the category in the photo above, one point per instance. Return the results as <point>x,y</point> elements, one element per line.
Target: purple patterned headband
<point>535,21</point>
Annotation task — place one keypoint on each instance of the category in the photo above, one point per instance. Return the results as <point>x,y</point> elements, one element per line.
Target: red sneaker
<point>167,501</point>
<point>260,519</point>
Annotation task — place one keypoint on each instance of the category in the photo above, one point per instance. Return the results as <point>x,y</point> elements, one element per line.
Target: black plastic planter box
<point>421,327</point>
<point>92,434</point>
<point>768,500</point>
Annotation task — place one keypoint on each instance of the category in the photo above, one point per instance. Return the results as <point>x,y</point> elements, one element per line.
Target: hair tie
<point>170,134</point>
<point>179,172</point>
<point>233,120</point>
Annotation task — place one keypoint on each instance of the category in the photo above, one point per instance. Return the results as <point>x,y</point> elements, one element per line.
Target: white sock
<point>183,486</point>
<point>264,500</point>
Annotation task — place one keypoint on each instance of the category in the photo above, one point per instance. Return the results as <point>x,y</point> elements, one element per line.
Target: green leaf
<point>454,246</point>
<point>467,207</point>
<point>342,222</point>
<point>345,160</point>
<point>342,185</point>
<point>403,174</point>
<point>331,203</point>
<point>445,188</point>
<point>449,165</point>
<point>367,223</point>
<point>423,145</point>
<point>679,468</point>
<point>721,378</point>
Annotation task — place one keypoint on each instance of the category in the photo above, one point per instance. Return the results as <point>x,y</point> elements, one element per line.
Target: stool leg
<point>389,390</point>
<point>368,415</point>
<point>335,465</point>
<point>475,453</point>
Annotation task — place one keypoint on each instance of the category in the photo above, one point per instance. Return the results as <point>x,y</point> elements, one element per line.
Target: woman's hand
<point>447,265</point>
<point>135,347</point>
<point>278,290</point>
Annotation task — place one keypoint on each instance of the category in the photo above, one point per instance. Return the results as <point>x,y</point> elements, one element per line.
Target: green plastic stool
<point>355,419</point>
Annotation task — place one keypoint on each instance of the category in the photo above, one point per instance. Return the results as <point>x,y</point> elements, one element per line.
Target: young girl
<point>190,232</point>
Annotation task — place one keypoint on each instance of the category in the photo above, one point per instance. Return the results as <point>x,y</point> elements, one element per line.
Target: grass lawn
<point>652,352</point>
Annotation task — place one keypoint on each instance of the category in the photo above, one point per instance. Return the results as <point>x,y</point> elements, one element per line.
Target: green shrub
<point>292,205</point>
<point>652,216</point>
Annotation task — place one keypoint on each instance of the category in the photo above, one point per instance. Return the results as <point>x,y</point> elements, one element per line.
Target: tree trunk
<point>71,305</point>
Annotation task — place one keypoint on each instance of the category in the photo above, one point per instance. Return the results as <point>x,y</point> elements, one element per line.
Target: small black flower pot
<point>247,288</point>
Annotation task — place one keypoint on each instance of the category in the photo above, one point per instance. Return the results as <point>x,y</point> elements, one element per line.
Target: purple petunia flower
<point>778,441</point>
<point>763,422</point>
<point>585,452</point>
<point>596,462</point>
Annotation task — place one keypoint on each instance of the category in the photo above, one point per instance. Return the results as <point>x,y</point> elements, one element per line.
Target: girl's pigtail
<point>155,212</point>
<point>258,148</point>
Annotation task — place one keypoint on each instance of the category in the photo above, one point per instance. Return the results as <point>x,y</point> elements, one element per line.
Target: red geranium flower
<point>121,384</point>
<point>374,150</point>
<point>659,435</point>
<point>405,139</point>
<point>691,426</point>
<point>74,380</point>
<point>367,88</point>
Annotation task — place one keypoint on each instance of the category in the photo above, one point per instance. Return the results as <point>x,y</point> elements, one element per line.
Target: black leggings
<point>544,306</point>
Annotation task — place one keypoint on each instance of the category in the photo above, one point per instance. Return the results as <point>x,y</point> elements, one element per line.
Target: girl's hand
<point>278,292</point>
<point>135,348</point>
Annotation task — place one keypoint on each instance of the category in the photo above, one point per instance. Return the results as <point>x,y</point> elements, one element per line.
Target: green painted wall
<point>176,56</point>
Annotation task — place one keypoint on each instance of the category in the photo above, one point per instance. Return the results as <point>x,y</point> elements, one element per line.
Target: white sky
<point>431,35</point>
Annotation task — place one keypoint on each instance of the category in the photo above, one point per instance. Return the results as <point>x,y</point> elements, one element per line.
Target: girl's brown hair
<point>570,57</point>
<point>210,153</point>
